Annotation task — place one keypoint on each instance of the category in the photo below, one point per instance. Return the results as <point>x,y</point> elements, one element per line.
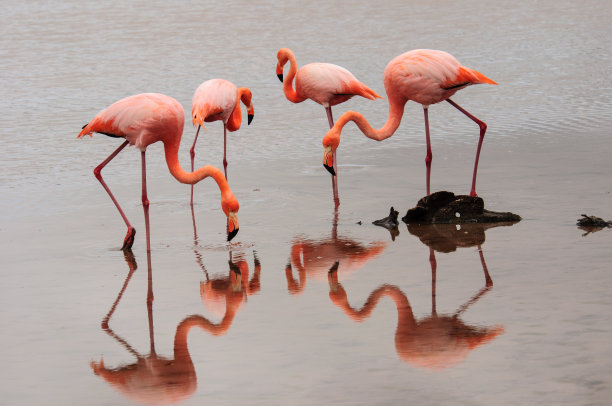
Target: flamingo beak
<point>250,118</point>
<point>232,225</point>
<point>279,72</point>
<point>328,160</point>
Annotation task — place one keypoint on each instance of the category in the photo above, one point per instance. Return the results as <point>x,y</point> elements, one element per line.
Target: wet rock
<point>390,223</point>
<point>592,224</point>
<point>447,208</point>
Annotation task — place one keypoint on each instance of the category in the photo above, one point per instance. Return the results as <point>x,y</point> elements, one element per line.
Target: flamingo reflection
<point>155,379</point>
<point>223,295</point>
<point>313,258</point>
<point>436,341</point>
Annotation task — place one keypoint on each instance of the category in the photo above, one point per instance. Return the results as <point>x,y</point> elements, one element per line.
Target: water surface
<point>513,314</point>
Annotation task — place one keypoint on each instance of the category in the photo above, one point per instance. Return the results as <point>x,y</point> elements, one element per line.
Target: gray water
<point>538,332</point>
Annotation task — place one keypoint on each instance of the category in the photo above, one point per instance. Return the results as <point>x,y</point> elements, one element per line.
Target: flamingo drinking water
<point>426,77</point>
<point>141,120</point>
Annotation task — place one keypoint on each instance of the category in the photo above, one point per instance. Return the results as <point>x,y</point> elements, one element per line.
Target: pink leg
<point>483,130</point>
<point>488,280</point>
<point>429,156</point>
<point>225,149</point>
<point>330,119</point>
<point>192,155</point>
<point>434,267</point>
<point>131,232</point>
<point>145,199</point>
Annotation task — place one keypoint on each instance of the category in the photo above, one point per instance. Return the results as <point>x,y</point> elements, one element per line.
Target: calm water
<point>514,314</point>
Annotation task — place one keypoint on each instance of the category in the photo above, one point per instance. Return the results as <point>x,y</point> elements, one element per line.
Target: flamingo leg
<point>225,149</point>
<point>483,130</point>
<point>330,119</point>
<point>481,292</point>
<point>192,155</point>
<point>429,156</point>
<point>434,267</point>
<point>131,232</point>
<point>145,200</point>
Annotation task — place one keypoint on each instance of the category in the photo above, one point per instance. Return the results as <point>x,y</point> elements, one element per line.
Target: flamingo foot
<point>129,239</point>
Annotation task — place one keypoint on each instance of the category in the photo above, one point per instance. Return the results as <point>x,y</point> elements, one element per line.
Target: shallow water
<point>531,300</point>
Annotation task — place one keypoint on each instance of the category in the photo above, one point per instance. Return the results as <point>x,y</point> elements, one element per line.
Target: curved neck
<point>288,89</point>
<point>396,111</point>
<point>182,331</point>
<point>405,317</point>
<point>171,151</point>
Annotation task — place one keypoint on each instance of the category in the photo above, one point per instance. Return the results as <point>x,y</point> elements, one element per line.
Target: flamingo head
<point>330,144</point>
<point>250,113</point>
<point>282,60</point>
<point>246,98</point>
<point>230,207</point>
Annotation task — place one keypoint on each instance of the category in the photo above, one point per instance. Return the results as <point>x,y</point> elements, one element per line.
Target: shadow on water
<point>155,379</point>
<point>437,341</point>
<point>312,258</point>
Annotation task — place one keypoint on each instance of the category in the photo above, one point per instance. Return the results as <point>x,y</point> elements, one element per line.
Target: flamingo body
<point>428,77</point>
<point>216,99</point>
<point>425,76</point>
<point>142,120</point>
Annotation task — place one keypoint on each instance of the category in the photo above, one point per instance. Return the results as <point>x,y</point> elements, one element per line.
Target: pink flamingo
<point>324,83</point>
<point>424,76</point>
<point>142,120</point>
<point>219,99</point>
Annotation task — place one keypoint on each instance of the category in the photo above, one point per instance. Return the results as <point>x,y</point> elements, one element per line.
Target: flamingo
<point>324,83</point>
<point>219,99</point>
<point>424,76</point>
<point>141,120</point>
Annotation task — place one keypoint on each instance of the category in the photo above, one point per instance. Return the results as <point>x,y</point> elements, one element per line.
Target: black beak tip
<point>250,118</point>
<point>231,235</point>
<point>330,169</point>
<point>280,77</point>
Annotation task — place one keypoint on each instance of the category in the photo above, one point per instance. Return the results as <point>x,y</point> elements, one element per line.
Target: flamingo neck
<point>171,151</point>
<point>288,89</point>
<point>182,331</point>
<point>396,111</point>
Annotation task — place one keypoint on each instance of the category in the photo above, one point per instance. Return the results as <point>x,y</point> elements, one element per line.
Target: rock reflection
<point>155,379</point>
<point>436,341</point>
<point>313,258</point>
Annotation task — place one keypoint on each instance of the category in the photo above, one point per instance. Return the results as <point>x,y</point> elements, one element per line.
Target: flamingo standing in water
<point>424,76</point>
<point>324,83</point>
<point>219,99</point>
<point>142,120</point>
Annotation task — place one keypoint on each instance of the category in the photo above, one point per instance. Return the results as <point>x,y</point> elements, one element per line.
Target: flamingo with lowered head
<point>425,76</point>
<point>324,83</point>
<point>141,120</point>
<point>219,99</point>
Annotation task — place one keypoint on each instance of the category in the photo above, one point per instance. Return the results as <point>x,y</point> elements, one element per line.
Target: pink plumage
<point>425,76</point>
<point>324,83</point>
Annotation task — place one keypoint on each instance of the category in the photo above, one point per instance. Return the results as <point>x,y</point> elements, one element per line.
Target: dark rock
<point>592,224</point>
<point>390,223</point>
<point>447,208</point>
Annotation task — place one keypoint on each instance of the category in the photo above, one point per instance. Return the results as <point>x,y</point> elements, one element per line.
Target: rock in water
<point>390,223</point>
<point>447,208</point>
